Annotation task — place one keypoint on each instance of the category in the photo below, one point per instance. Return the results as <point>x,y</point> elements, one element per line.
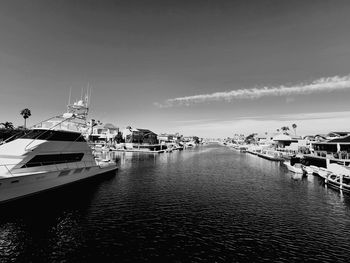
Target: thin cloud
<point>295,117</point>
<point>307,123</point>
<point>320,85</point>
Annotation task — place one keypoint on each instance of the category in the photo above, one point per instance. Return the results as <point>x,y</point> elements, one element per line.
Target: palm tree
<point>7,125</point>
<point>294,128</point>
<point>26,114</point>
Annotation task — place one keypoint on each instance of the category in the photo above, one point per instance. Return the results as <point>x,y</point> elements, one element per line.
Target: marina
<point>237,206</point>
<point>174,131</point>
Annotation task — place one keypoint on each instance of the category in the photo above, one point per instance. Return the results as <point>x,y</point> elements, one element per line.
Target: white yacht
<point>51,154</point>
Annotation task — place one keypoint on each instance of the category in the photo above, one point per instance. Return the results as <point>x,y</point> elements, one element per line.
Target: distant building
<point>239,138</point>
<point>105,133</point>
<point>283,140</point>
<point>139,136</point>
<point>168,138</point>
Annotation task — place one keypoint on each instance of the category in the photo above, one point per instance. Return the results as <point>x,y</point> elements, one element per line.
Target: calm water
<point>209,204</point>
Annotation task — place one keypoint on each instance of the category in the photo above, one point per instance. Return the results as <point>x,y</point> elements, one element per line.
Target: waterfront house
<point>239,138</point>
<point>167,138</point>
<point>104,133</point>
<point>336,150</point>
<point>283,140</point>
<point>136,137</point>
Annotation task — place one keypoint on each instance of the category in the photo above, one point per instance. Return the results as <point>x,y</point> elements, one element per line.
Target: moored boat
<point>294,164</point>
<point>338,181</point>
<point>295,168</point>
<point>52,154</point>
<point>271,155</point>
<point>323,172</point>
<point>307,169</point>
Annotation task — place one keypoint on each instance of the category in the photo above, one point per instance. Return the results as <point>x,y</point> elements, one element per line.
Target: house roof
<point>283,137</point>
<point>343,133</point>
<point>343,139</point>
<point>139,130</point>
<point>309,136</point>
<point>143,130</point>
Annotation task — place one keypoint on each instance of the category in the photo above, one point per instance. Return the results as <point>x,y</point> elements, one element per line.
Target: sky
<point>206,68</point>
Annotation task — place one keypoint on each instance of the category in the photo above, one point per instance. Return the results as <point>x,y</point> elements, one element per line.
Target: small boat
<point>323,172</point>
<point>294,165</point>
<point>295,168</point>
<point>338,181</point>
<point>336,176</point>
<point>271,155</point>
<point>315,169</point>
<point>307,169</point>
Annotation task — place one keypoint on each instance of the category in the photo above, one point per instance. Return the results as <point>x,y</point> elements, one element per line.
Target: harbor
<point>166,197</point>
<point>207,202</point>
<point>174,131</point>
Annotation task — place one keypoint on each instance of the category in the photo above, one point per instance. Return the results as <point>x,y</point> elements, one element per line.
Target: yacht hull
<point>15,187</point>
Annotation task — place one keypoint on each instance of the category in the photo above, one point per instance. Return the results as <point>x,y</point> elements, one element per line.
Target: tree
<point>294,128</point>
<point>26,114</point>
<point>196,139</point>
<point>285,129</point>
<point>7,125</point>
<point>250,139</point>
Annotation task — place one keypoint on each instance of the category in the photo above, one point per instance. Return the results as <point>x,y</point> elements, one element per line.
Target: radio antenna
<point>70,94</point>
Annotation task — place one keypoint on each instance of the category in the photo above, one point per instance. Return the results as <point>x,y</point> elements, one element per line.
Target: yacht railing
<point>51,128</point>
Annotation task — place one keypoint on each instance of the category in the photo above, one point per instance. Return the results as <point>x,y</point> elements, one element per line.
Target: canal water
<point>206,204</point>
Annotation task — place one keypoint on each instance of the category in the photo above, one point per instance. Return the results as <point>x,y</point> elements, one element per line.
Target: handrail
<point>51,128</point>
<point>7,169</point>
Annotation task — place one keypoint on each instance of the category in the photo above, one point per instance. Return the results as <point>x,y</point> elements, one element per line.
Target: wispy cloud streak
<point>320,85</point>
<point>308,123</point>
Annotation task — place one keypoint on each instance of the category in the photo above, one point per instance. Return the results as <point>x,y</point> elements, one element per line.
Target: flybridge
<point>75,119</point>
<point>79,108</point>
